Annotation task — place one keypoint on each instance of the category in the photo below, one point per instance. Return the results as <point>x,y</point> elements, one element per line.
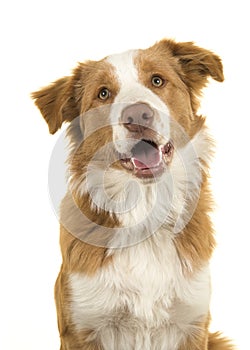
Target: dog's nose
<point>137,117</point>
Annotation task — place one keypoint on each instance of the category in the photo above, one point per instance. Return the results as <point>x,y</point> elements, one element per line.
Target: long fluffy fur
<point>121,288</point>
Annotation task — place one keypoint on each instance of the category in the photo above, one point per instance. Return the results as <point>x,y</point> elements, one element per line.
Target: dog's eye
<point>157,81</point>
<point>104,94</point>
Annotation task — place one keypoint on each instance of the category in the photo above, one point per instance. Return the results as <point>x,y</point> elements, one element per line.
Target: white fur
<point>203,145</point>
<point>143,208</point>
<point>132,91</point>
<point>142,300</point>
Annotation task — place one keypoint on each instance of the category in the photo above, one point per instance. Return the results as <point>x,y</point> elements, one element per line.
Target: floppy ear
<point>57,102</point>
<point>196,66</point>
<point>197,63</point>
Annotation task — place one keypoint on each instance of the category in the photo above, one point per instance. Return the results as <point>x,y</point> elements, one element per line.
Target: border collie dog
<point>136,234</point>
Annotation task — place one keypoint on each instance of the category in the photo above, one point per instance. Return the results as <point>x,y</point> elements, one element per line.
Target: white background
<point>40,42</point>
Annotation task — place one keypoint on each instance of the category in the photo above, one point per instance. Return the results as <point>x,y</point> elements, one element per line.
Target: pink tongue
<point>145,156</point>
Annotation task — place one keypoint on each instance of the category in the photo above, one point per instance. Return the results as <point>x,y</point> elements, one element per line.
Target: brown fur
<point>69,338</point>
<point>68,97</point>
<point>217,342</point>
<point>186,68</point>
<point>197,242</point>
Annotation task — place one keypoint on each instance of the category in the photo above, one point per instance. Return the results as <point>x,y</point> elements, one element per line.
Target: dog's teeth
<point>160,154</point>
<point>133,162</point>
<point>161,148</point>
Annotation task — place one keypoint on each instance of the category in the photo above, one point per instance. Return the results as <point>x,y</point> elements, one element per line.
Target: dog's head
<point>130,112</point>
<point>137,93</point>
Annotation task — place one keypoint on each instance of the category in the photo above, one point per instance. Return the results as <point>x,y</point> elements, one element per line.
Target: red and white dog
<point>136,235</point>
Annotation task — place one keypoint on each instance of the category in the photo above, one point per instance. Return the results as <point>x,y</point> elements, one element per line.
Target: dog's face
<point>138,93</point>
<point>131,113</point>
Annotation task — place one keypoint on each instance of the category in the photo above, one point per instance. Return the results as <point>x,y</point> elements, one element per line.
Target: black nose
<point>137,117</point>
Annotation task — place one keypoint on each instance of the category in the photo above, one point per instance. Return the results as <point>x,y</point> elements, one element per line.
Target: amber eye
<point>157,81</point>
<point>104,94</point>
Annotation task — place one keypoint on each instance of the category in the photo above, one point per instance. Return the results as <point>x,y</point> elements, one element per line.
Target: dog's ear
<point>58,102</point>
<point>197,63</point>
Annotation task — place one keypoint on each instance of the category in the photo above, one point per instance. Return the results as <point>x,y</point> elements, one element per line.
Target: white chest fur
<point>142,299</point>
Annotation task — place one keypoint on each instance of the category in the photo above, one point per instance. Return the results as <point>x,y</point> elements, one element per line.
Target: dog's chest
<point>143,290</point>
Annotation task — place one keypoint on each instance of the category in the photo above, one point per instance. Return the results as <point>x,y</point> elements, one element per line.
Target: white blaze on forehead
<point>133,91</point>
<point>125,69</point>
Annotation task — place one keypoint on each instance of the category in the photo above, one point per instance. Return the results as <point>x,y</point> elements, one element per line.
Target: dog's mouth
<point>148,159</point>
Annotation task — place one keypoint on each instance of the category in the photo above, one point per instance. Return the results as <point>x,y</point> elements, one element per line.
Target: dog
<point>136,235</point>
